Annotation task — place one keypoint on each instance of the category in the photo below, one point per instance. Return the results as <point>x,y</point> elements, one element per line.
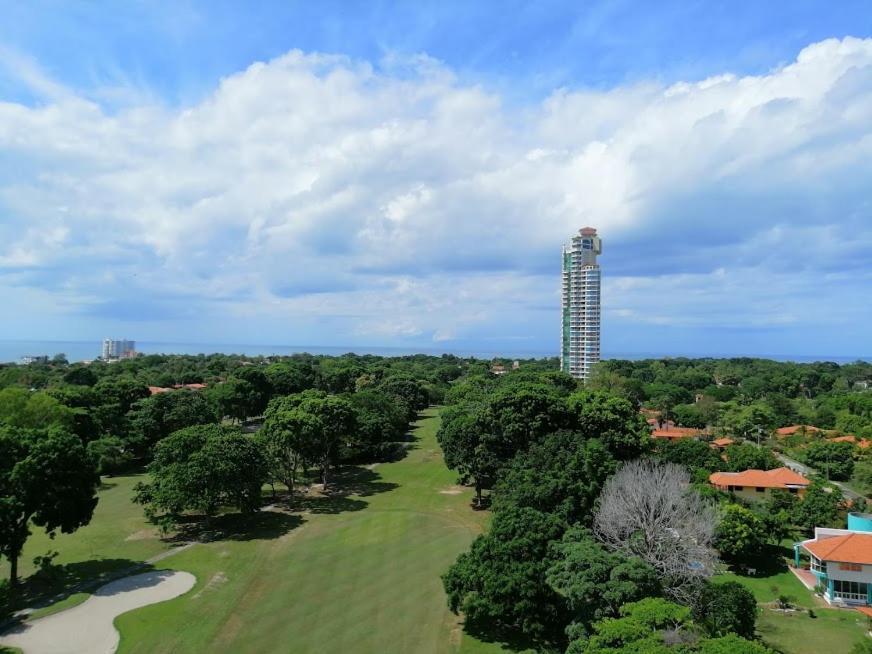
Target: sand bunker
<point>87,628</point>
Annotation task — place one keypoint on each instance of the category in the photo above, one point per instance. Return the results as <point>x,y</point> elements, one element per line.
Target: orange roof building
<point>793,429</point>
<point>675,433</point>
<point>756,484</point>
<point>841,559</point>
<point>722,443</point>
<point>154,390</point>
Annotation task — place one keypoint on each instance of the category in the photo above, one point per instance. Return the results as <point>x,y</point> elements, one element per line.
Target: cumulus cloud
<point>396,202</point>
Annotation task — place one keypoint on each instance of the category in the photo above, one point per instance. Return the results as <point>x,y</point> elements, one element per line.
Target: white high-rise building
<point>118,349</point>
<point>580,343</point>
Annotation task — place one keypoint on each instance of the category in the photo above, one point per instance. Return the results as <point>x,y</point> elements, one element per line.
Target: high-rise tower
<point>580,345</point>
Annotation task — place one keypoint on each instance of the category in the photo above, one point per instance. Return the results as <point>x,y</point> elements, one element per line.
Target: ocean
<point>14,350</point>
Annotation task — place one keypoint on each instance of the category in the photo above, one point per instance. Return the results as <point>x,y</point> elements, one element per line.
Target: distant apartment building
<point>117,349</point>
<point>27,359</point>
<point>580,343</point>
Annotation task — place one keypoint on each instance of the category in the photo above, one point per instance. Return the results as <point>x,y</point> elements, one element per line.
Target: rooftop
<point>777,478</point>
<point>850,548</point>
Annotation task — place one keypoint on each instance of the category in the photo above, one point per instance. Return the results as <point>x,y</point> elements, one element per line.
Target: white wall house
<point>841,559</point>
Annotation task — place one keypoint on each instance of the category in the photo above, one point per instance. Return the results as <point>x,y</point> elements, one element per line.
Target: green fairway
<point>359,572</point>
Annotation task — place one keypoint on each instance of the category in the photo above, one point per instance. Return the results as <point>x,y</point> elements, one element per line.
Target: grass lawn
<point>117,536</point>
<point>831,630</point>
<point>359,572</point>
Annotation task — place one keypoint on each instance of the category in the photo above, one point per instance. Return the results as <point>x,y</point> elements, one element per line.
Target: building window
<point>816,565</point>
<point>739,488</point>
<point>853,567</point>
<point>793,490</point>
<point>760,490</point>
<point>850,590</point>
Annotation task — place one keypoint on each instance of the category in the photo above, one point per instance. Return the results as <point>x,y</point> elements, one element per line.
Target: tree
<point>831,459</point>
<point>640,629</point>
<point>731,644</point>
<point>689,415</point>
<point>24,409</point>
<point>563,474</point>
<point>337,416</point>
<point>690,453</point>
<point>500,581</point>
<point>746,456</point>
<point>648,510</point>
<point>158,416</point>
<point>289,377</point>
<point>613,420</point>
<point>47,480</point>
<point>468,446</point>
<point>235,398</point>
<point>740,534</point>
<point>594,581</point>
<point>109,454</point>
<point>260,389</point>
<point>202,468</point>
<point>381,419</point>
<point>820,507</point>
<point>726,608</point>
<point>80,375</point>
<point>289,438</point>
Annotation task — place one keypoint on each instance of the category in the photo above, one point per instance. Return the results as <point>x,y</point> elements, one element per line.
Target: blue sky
<point>377,173</point>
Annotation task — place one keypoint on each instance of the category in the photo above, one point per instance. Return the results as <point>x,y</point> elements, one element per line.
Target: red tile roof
<point>850,548</point>
<point>672,433</point>
<point>777,478</point>
<point>845,439</point>
<point>722,442</point>
<point>154,390</point>
<point>789,431</point>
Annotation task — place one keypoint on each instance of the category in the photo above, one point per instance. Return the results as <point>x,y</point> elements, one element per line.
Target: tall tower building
<point>580,345</point>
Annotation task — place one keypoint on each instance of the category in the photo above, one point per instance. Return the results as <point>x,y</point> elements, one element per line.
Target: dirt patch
<point>451,490</point>
<point>143,534</point>
<point>217,579</point>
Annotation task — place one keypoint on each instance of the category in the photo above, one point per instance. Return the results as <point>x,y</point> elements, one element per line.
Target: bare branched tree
<point>648,509</point>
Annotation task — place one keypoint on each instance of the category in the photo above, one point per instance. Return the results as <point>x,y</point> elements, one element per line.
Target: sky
<point>404,174</point>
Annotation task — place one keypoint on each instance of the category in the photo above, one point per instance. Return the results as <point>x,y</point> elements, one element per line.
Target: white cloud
<point>396,201</point>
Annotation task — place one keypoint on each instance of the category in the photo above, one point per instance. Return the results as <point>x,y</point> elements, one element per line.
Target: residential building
<point>721,443</point>
<point>580,342</point>
<point>841,561</point>
<point>117,349</point>
<point>759,484</point>
<point>672,433</point>
<point>34,358</point>
<point>803,430</point>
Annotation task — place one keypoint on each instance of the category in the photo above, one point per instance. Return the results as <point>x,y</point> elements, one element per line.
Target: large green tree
<point>740,534</point>
<point>563,474</point>
<point>613,420</point>
<point>46,480</point>
<point>725,608</point>
<point>202,468</point>
<point>290,438</point>
<point>500,582</point>
<point>594,581</point>
<point>156,417</point>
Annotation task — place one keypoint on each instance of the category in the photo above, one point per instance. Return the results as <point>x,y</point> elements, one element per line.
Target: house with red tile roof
<point>759,484</point>
<point>841,560</point>
<point>675,433</point>
<point>154,390</point>
<point>781,432</point>
<point>721,443</point>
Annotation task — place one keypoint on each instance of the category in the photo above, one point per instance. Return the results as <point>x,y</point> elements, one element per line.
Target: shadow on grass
<point>508,640</point>
<point>263,525</point>
<point>57,582</point>
<point>343,492</point>
<point>771,561</point>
